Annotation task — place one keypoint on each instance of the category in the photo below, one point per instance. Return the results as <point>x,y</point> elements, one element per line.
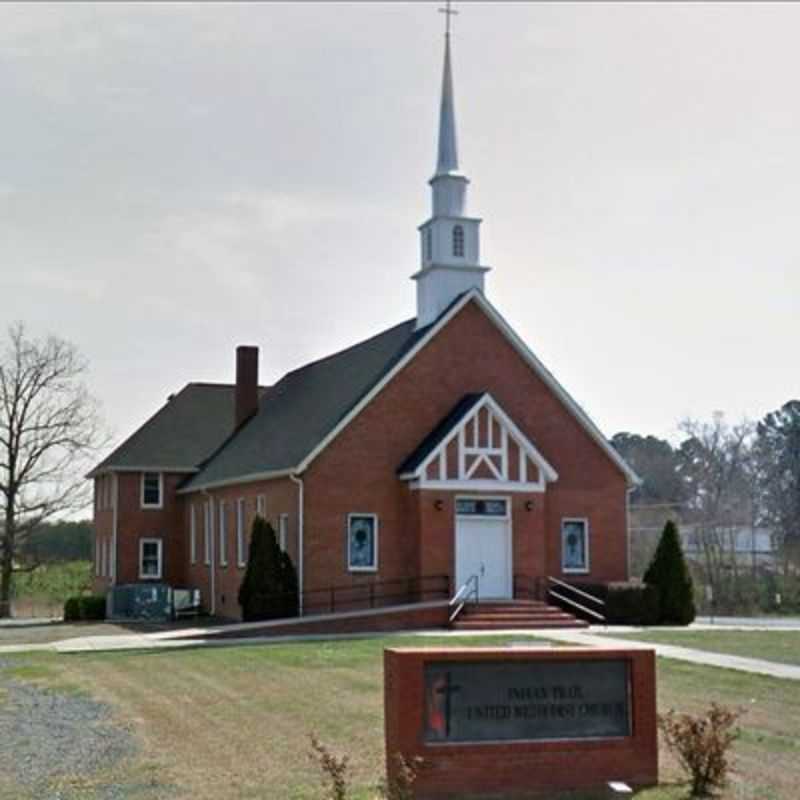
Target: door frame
<point>507,518</point>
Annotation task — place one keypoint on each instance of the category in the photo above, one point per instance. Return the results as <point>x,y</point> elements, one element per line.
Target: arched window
<point>428,244</point>
<point>458,241</point>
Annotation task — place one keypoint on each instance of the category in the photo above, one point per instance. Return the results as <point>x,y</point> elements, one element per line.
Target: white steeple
<point>449,240</point>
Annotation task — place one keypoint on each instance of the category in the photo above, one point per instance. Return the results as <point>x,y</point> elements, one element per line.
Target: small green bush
<point>632,604</point>
<point>669,574</point>
<point>85,608</point>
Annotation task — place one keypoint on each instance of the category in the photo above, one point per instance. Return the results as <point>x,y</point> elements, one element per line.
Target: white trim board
<point>464,480</point>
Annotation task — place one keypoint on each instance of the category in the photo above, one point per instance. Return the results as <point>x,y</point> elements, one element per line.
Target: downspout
<point>212,577</point>
<point>300,560</point>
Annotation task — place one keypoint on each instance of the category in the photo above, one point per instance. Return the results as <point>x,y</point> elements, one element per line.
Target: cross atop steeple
<point>449,12</point>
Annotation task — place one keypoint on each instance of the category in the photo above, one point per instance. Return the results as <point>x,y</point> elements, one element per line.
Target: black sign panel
<point>515,700</point>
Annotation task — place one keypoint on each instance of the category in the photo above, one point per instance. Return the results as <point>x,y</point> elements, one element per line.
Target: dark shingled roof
<point>440,432</point>
<point>182,434</point>
<point>304,406</point>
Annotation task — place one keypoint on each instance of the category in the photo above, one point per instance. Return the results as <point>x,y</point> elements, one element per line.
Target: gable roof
<point>303,407</point>
<point>427,333</point>
<point>466,410</point>
<point>181,434</point>
<point>494,456</point>
<point>305,411</point>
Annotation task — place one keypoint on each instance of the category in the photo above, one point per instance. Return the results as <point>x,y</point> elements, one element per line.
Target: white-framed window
<point>575,545</point>
<point>207,533</point>
<point>223,533</point>
<point>193,533</point>
<point>458,241</point>
<point>362,542</point>
<point>150,559</point>
<point>241,559</point>
<point>152,489</point>
<point>283,531</point>
<point>110,562</point>
<point>261,506</point>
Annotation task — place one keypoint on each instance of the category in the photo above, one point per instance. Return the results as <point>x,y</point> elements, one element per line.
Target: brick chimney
<point>246,383</point>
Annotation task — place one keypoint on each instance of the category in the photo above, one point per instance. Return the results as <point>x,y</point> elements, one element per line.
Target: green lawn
<point>777,645</point>
<point>234,722</point>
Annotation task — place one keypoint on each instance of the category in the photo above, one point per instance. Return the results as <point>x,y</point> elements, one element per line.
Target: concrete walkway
<point>757,666</point>
<point>595,636</point>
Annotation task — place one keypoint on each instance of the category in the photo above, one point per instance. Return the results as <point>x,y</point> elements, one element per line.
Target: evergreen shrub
<point>632,604</point>
<point>669,574</point>
<point>85,608</point>
<point>269,589</point>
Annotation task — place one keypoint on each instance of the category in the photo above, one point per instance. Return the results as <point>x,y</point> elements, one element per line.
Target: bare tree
<point>715,464</point>
<point>49,429</point>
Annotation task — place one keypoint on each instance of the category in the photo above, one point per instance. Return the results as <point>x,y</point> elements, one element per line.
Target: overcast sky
<point>179,179</point>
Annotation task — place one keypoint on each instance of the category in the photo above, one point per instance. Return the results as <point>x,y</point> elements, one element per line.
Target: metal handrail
<point>467,592</point>
<point>574,603</point>
<point>372,594</point>
<point>575,589</point>
<point>577,605</point>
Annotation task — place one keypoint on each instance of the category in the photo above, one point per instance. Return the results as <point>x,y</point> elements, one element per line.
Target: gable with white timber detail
<point>483,451</point>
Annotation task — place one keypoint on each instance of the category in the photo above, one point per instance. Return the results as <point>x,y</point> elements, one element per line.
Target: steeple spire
<point>447,161</point>
<point>449,240</point>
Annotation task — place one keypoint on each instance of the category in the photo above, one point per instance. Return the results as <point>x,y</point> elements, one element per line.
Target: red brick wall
<point>103,531</point>
<point>280,497</point>
<point>516,769</point>
<point>135,523</point>
<point>357,472</point>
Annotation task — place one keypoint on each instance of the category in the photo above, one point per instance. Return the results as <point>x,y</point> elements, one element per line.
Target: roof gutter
<point>252,477</point>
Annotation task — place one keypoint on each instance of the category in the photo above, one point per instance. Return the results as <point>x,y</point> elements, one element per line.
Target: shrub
<point>400,785</point>
<point>269,588</point>
<point>701,744</point>
<point>632,604</point>
<point>670,575</point>
<point>334,770</point>
<point>72,609</point>
<point>84,608</point>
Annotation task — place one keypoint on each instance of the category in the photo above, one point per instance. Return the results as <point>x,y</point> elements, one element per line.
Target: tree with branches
<point>49,430</point>
<point>777,454</point>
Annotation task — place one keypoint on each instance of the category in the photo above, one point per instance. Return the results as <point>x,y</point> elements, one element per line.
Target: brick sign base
<point>516,722</point>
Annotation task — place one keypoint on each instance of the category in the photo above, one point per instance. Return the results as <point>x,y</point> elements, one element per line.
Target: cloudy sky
<point>179,179</point>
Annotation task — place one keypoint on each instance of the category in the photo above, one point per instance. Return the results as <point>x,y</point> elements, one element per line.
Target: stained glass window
<point>362,542</point>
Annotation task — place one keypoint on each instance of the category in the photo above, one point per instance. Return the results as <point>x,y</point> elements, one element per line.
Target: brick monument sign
<point>513,722</point>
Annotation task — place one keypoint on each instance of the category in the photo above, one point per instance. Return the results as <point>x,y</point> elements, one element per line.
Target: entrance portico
<point>485,466</point>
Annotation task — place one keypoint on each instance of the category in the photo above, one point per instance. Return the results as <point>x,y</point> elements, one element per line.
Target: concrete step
<point>515,625</point>
<point>514,615</point>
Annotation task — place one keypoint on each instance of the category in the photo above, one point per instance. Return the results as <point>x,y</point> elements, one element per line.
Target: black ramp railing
<point>370,594</point>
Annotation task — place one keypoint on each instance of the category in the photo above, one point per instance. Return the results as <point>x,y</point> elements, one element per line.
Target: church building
<point>438,453</point>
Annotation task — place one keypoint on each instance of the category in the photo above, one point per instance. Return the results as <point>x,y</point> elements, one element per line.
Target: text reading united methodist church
<point>437,452</point>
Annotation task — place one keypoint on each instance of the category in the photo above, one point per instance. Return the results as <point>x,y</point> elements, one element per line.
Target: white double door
<point>483,548</point>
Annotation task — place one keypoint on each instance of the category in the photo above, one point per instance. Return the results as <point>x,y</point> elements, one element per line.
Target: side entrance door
<point>483,546</point>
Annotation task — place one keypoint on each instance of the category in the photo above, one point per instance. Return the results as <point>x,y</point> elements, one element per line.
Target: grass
<point>777,645</point>
<point>234,722</point>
